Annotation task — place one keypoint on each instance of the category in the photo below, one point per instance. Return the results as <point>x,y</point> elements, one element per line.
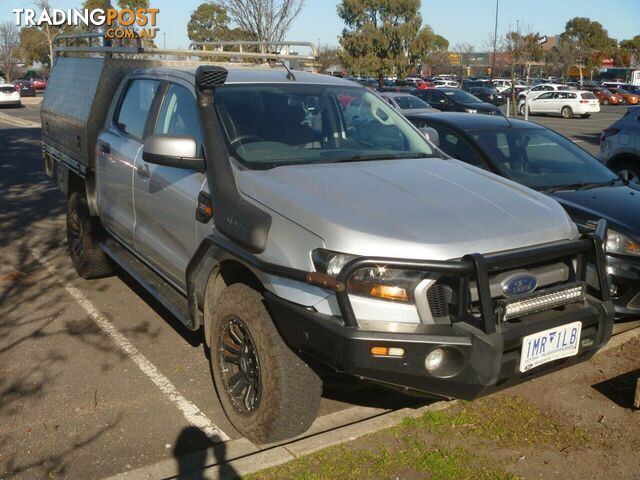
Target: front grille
<point>437,298</point>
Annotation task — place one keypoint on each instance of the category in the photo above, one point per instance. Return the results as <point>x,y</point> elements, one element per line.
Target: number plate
<point>553,344</point>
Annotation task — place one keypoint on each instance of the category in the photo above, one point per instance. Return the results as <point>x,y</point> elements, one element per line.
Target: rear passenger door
<point>118,147</point>
<point>166,198</point>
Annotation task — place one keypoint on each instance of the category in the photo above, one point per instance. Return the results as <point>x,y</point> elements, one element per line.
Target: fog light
<point>613,290</point>
<point>434,359</point>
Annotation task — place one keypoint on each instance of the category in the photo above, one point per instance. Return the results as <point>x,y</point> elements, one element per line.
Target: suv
<point>301,240</point>
<point>620,146</point>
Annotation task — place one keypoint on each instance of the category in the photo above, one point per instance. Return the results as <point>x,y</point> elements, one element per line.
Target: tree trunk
<point>380,80</point>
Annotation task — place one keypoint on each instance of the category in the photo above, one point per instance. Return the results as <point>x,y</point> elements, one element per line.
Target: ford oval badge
<point>519,285</point>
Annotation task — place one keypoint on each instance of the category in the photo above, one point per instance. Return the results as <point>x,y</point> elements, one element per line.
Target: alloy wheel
<point>240,367</point>
<point>630,176</point>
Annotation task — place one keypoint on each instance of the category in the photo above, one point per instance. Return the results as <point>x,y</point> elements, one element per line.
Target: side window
<point>454,145</point>
<point>179,114</point>
<point>545,96</point>
<point>135,106</point>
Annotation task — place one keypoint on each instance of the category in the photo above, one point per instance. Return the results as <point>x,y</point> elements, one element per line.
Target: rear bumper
<point>488,361</point>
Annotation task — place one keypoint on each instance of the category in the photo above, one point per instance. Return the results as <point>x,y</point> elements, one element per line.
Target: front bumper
<point>490,361</point>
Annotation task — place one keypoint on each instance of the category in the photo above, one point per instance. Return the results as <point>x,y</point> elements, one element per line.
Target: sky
<point>469,21</point>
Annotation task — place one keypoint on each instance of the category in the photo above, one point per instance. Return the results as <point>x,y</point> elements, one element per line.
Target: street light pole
<point>495,40</point>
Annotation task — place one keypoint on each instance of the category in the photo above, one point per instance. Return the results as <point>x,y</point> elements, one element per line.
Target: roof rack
<point>97,43</point>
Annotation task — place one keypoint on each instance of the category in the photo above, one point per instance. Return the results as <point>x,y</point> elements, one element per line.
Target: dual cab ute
<point>299,238</point>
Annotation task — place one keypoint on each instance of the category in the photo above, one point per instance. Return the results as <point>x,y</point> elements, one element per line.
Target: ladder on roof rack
<point>96,43</point>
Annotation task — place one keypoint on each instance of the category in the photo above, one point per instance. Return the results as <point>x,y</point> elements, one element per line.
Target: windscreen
<point>588,96</point>
<point>7,89</point>
<point>282,124</point>
<point>541,158</point>
<point>410,102</point>
<point>460,96</point>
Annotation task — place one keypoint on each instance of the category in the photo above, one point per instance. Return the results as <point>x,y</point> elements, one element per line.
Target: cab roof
<point>249,74</point>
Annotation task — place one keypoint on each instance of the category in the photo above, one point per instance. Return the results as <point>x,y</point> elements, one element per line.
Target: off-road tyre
<point>289,390</point>
<point>84,233</point>
<point>566,112</point>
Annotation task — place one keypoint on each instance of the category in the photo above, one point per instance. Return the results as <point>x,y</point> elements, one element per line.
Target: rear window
<point>588,96</point>
<point>7,89</point>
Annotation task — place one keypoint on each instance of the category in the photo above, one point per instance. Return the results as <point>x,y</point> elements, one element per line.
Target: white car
<point>535,92</point>
<point>504,84</point>
<point>445,84</point>
<point>567,103</point>
<point>9,95</point>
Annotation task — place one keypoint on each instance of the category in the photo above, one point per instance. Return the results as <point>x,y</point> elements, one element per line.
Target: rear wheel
<point>629,171</point>
<point>84,233</point>
<point>566,112</point>
<point>605,102</point>
<point>266,390</point>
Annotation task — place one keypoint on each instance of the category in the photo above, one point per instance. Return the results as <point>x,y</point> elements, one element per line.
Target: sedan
<point>406,103</point>
<point>489,95</point>
<point>543,160</point>
<point>627,97</point>
<point>39,83</point>
<point>565,103</point>
<point>9,95</point>
<point>25,88</point>
<point>605,97</point>
<point>454,100</point>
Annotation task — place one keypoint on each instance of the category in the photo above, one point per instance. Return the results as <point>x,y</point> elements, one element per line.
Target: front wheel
<point>521,109</point>
<point>84,233</point>
<point>566,112</point>
<point>605,102</point>
<point>267,391</point>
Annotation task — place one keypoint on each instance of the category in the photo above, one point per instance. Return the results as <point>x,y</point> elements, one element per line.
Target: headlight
<point>376,282</point>
<point>471,110</point>
<point>621,244</point>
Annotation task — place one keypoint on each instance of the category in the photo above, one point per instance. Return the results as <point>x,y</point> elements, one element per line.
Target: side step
<point>154,284</point>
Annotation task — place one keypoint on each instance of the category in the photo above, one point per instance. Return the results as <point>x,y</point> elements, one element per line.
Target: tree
<point>263,20</point>
<point>590,40</point>
<point>9,50</point>
<point>327,57</point>
<point>33,45</point>
<point>630,49</point>
<point>383,38</point>
<point>210,22</point>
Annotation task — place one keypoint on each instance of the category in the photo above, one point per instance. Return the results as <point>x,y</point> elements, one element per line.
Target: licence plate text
<point>549,345</point>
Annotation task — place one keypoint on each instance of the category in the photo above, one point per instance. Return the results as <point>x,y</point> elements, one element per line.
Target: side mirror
<point>432,134</point>
<point>179,151</point>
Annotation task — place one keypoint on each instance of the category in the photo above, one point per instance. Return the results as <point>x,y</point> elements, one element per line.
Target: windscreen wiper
<point>581,186</point>
<point>384,156</point>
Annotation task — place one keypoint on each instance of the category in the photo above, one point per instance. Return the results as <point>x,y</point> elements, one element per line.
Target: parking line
<point>190,411</point>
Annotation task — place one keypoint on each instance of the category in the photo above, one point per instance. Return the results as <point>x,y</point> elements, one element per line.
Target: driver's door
<point>166,198</point>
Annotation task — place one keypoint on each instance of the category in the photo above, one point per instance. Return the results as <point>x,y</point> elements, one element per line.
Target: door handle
<point>143,170</point>
<point>105,148</point>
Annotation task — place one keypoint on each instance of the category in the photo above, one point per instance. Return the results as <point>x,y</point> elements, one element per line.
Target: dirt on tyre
<point>566,112</point>
<point>267,391</point>
<point>84,233</point>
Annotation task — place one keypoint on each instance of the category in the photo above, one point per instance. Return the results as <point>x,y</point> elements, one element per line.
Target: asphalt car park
<point>89,367</point>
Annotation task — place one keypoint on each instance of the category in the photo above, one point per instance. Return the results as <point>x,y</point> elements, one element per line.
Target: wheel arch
<point>621,158</point>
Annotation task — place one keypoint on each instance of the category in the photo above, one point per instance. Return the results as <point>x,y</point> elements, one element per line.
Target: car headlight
<point>380,282</point>
<point>471,110</point>
<point>621,244</point>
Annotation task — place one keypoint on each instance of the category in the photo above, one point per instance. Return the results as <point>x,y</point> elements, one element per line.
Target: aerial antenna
<point>290,75</point>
